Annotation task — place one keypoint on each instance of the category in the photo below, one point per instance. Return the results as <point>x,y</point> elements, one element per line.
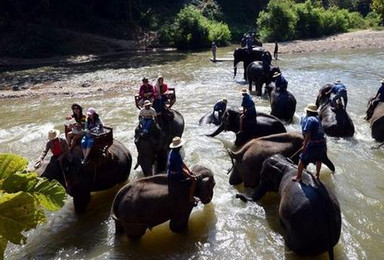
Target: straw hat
<point>276,74</point>
<point>311,108</point>
<point>382,81</point>
<point>91,111</point>
<point>176,142</point>
<point>147,103</point>
<point>338,81</point>
<point>53,134</point>
<point>225,100</point>
<point>244,91</point>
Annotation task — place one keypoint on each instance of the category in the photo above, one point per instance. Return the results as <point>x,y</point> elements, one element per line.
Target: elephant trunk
<point>233,163</point>
<point>218,130</point>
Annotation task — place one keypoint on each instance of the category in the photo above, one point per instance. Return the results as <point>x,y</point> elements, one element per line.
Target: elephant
<point>257,74</point>
<point>265,125</point>
<point>283,103</point>
<point>247,162</point>
<point>336,123</point>
<point>243,54</point>
<point>146,203</point>
<point>103,171</point>
<point>210,118</point>
<point>153,148</point>
<point>377,123</point>
<point>308,210</point>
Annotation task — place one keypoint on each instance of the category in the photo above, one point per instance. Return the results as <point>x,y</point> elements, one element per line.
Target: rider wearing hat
<point>57,145</point>
<point>220,108</point>
<point>249,110</point>
<point>179,175</point>
<point>375,101</point>
<point>314,146</point>
<point>340,91</point>
<point>147,116</point>
<point>281,83</point>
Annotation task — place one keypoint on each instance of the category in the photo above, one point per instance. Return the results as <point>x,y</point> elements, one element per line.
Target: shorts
<point>87,142</point>
<point>315,152</point>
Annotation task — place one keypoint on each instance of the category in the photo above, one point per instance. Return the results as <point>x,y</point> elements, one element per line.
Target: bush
<point>373,19</point>
<point>192,30</point>
<point>309,22</point>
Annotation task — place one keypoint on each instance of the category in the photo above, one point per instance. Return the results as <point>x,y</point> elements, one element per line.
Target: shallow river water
<point>226,228</point>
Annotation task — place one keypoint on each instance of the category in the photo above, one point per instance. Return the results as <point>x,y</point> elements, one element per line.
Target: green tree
<point>23,198</point>
<point>378,7</point>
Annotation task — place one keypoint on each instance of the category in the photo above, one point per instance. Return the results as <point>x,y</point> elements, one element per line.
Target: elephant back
<point>377,122</point>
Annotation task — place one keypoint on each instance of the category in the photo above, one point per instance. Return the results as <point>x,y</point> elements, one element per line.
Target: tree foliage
<point>23,198</point>
<point>378,7</point>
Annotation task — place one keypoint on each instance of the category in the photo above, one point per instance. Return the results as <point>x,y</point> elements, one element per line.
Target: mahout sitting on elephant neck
<point>146,202</point>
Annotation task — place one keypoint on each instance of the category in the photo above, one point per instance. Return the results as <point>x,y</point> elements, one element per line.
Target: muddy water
<point>226,228</point>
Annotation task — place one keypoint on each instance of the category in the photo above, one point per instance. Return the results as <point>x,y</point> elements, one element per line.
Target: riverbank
<point>365,39</point>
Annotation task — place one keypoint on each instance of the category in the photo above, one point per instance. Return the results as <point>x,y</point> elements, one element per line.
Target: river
<point>226,228</point>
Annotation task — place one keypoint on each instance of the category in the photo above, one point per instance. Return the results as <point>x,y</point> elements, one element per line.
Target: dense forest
<point>42,28</point>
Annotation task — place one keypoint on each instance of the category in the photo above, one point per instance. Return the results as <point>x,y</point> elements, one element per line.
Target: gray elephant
<point>257,73</point>
<point>103,171</point>
<point>210,118</point>
<point>246,56</point>
<point>283,103</point>
<point>377,122</point>
<point>308,210</point>
<point>153,148</point>
<point>145,203</point>
<point>335,122</point>
<point>247,162</point>
<point>265,125</point>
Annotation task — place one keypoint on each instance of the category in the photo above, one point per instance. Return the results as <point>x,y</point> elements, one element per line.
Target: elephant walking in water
<point>146,203</point>
<point>257,73</point>
<point>283,103</point>
<point>246,56</point>
<point>377,122</point>
<point>103,171</point>
<point>335,122</point>
<point>247,162</point>
<point>265,125</point>
<point>308,210</point>
<point>153,148</point>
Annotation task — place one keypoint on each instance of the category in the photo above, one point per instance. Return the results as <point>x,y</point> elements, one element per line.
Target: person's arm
<point>187,172</point>
<point>44,153</point>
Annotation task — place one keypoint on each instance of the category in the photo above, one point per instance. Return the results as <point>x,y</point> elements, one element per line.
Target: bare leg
<point>300,168</point>
<point>85,153</point>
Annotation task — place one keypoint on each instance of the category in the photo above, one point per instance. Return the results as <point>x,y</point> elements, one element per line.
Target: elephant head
<point>323,97</point>
<point>229,122</point>
<point>205,184</point>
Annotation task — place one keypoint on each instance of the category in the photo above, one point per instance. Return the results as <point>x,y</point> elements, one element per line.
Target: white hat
<point>53,134</point>
<point>311,108</point>
<point>91,111</point>
<point>244,91</point>
<point>382,81</point>
<point>147,103</point>
<point>338,81</point>
<point>176,142</point>
<point>276,74</point>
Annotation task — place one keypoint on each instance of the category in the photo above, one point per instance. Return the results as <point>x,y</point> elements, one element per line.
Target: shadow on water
<point>18,75</point>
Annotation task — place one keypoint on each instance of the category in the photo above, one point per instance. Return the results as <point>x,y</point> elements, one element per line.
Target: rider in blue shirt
<point>249,110</point>
<point>314,147</point>
<point>340,91</point>
<point>178,173</point>
<point>220,108</point>
<point>281,83</point>
<point>375,101</point>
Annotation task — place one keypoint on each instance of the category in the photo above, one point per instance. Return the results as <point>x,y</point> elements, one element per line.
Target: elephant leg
<point>235,178</point>
<point>161,162</point>
<point>250,85</point>
<point>81,198</point>
<point>135,231</point>
<point>259,85</point>
<point>179,224</point>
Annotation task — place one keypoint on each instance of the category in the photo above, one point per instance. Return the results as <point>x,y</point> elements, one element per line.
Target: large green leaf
<point>48,193</point>
<point>18,212</point>
<point>10,164</point>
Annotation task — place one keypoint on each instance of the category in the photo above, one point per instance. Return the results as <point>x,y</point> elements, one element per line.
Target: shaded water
<point>226,228</point>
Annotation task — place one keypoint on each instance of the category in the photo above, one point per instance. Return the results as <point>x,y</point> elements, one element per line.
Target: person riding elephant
<point>93,125</point>
<point>336,123</point>
<point>340,92</point>
<point>153,148</point>
<point>256,73</point>
<point>283,103</point>
<point>309,211</point>
<point>266,125</point>
<point>247,162</point>
<point>248,117</point>
<point>281,83</point>
<point>147,117</point>
<point>102,172</point>
<point>220,108</point>
<point>373,102</point>
<point>145,203</point>
<point>245,56</point>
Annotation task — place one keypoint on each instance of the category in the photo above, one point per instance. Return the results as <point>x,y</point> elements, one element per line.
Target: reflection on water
<point>226,228</point>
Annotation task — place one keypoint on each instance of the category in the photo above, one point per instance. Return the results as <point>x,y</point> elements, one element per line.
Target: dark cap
<point>145,79</point>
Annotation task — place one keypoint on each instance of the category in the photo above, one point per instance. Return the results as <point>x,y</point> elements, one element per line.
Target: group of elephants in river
<point>265,160</point>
